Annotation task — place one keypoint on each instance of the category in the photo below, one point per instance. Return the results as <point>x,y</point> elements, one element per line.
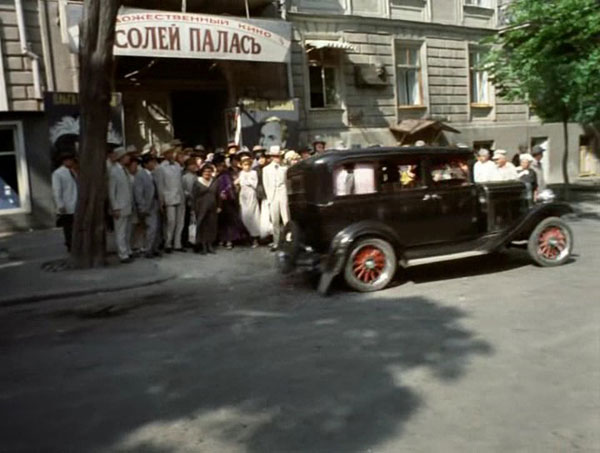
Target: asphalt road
<point>486,355</point>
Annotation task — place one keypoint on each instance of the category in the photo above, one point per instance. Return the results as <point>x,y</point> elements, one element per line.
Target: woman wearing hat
<point>204,204</point>
<point>231,228</point>
<point>249,202</point>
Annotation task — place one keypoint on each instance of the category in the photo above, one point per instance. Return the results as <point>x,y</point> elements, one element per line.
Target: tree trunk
<point>95,81</point>
<point>565,161</point>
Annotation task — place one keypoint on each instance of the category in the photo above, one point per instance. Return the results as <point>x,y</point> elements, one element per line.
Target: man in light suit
<point>274,179</point>
<point>64,190</point>
<point>146,201</point>
<point>171,197</point>
<point>121,203</point>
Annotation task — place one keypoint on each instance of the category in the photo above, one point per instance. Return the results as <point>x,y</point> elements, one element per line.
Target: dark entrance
<point>199,117</point>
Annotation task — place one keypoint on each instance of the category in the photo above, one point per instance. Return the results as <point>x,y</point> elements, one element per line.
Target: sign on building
<point>168,34</point>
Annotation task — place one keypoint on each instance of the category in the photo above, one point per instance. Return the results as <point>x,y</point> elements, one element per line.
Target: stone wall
<point>17,68</point>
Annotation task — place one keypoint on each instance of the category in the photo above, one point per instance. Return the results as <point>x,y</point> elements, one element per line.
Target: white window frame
<point>489,4</point>
<point>489,102</point>
<point>420,47</point>
<point>22,171</point>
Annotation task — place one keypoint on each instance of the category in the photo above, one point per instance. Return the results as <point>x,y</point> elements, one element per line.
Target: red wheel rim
<point>552,243</point>
<point>368,264</point>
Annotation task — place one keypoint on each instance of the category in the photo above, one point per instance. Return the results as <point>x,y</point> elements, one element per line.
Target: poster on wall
<point>62,111</point>
<point>268,123</point>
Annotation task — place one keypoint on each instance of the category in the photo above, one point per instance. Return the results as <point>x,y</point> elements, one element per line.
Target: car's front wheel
<point>551,242</point>
<point>371,265</point>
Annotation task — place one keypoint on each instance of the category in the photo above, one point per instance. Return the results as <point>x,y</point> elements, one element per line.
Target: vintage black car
<point>362,213</point>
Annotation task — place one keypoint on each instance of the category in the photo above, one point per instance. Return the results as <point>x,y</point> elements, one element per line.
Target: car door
<point>402,203</point>
<point>453,197</point>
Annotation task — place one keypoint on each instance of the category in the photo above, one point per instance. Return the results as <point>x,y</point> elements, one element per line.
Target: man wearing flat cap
<point>484,169</point>
<point>172,199</point>
<point>121,202</point>
<point>538,154</point>
<point>274,181</point>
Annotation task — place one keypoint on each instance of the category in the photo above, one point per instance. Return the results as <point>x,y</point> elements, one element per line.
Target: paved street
<point>485,355</point>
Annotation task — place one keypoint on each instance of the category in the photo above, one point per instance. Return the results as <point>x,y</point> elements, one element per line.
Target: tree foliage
<point>550,57</point>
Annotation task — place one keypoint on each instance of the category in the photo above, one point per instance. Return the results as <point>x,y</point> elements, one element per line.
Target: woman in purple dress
<point>231,228</point>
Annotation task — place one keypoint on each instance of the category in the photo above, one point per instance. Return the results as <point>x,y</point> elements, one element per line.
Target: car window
<point>396,176</point>
<point>354,179</point>
<point>450,172</point>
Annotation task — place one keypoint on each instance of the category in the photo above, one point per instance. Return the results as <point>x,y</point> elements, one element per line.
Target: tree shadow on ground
<point>317,379</point>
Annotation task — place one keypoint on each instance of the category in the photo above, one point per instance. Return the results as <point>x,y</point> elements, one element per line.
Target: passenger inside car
<point>354,179</point>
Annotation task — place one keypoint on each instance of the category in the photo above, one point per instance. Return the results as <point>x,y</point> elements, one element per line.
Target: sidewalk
<point>22,279</point>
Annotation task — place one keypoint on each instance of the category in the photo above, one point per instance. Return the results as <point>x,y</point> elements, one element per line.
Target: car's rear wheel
<point>371,265</point>
<point>551,242</point>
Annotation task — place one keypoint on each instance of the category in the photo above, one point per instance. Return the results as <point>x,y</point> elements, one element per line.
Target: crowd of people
<point>526,167</point>
<point>174,199</point>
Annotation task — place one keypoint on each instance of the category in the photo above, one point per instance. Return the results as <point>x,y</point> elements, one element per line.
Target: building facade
<point>361,67</point>
<point>350,70</point>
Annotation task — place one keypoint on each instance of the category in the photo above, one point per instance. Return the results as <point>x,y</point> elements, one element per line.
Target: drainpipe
<point>26,51</point>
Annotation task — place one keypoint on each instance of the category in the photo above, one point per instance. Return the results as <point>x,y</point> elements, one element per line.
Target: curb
<point>32,298</point>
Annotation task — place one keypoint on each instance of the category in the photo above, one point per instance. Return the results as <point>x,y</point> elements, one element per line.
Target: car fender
<point>535,215</point>
<point>342,242</point>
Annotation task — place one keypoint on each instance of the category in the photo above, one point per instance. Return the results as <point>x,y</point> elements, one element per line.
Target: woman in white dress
<point>248,180</point>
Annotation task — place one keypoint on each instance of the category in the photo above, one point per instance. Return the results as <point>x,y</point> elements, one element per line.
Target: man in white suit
<point>64,190</point>
<point>171,197</point>
<point>274,179</point>
<point>121,203</point>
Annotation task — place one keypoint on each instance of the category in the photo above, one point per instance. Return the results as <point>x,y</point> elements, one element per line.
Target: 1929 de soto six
<point>362,213</point>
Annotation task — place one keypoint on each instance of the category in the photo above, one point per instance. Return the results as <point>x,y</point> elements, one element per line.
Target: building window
<point>322,72</point>
<point>480,85</point>
<point>408,75</point>
<point>14,190</point>
<point>481,3</point>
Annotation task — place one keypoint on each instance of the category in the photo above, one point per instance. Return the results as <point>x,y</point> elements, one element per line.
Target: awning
<point>411,127</point>
<point>317,44</point>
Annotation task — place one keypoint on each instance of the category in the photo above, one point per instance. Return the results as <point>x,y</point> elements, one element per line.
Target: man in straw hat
<point>274,178</point>
<point>172,199</point>
<point>121,202</point>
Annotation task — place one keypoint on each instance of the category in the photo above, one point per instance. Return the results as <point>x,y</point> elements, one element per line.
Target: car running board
<point>440,258</point>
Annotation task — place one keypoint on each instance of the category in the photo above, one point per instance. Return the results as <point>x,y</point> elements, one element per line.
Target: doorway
<point>199,117</point>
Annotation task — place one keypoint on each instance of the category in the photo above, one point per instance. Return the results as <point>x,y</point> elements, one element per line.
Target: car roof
<point>333,156</point>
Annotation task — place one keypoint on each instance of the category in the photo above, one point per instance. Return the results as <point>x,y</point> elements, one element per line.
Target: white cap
<point>131,149</point>
<point>146,149</point>
<point>483,152</point>
<point>499,153</point>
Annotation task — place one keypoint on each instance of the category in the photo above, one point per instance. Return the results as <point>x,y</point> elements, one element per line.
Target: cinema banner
<point>168,34</point>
